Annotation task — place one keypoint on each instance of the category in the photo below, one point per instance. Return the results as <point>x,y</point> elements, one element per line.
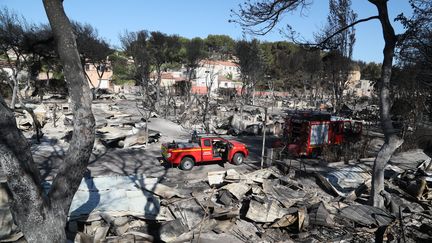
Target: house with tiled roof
<point>225,83</point>
<point>213,74</point>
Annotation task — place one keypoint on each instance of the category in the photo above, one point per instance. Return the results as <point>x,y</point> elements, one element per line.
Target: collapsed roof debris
<point>303,200</point>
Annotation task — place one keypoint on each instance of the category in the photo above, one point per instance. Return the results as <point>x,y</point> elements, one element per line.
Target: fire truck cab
<point>307,133</point>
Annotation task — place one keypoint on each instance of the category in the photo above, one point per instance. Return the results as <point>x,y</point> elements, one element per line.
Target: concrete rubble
<point>259,206</point>
<point>264,205</point>
<point>289,201</point>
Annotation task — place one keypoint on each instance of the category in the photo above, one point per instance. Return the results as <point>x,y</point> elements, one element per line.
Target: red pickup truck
<point>204,149</point>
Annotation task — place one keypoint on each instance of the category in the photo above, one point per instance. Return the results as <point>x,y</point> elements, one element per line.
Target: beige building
<point>355,86</point>
<point>95,80</point>
<point>168,79</point>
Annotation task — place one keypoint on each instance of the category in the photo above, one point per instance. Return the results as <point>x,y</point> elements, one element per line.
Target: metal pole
<point>264,136</point>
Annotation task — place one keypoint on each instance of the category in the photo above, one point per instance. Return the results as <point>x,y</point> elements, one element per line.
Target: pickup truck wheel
<point>238,158</point>
<point>187,164</point>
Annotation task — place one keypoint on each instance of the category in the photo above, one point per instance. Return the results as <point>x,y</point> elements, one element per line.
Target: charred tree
<point>195,52</point>
<point>251,65</point>
<point>41,217</point>
<point>262,16</point>
<point>391,140</point>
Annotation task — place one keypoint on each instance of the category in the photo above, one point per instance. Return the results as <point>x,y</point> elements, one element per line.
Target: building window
<point>87,67</point>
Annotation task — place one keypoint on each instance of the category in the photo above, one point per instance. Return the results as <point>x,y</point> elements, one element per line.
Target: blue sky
<point>191,18</point>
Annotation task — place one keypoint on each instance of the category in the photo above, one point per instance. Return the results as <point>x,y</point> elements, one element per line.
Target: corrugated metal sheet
<point>345,180</point>
<point>117,196</point>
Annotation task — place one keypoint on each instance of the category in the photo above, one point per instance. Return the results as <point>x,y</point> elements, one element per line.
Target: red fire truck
<point>307,133</point>
<point>203,149</point>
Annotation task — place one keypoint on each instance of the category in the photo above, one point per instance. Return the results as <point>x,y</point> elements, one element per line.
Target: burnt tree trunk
<point>158,87</point>
<point>14,94</point>
<point>42,218</point>
<point>391,140</point>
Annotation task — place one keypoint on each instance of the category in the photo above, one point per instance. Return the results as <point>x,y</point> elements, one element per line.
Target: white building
<point>215,74</point>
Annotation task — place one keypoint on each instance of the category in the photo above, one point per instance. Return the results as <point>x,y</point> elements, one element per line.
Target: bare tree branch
<point>264,13</point>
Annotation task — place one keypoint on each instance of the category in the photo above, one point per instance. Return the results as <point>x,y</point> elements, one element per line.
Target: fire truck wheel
<point>187,164</point>
<point>238,158</point>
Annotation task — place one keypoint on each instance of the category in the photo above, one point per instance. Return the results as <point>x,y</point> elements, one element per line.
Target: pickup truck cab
<point>204,149</point>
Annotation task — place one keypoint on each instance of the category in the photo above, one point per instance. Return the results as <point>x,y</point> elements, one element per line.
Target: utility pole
<point>264,137</point>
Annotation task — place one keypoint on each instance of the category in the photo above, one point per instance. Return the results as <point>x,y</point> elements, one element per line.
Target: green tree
<point>220,46</point>
<point>123,71</point>
<point>195,52</point>
<point>93,50</point>
<point>164,49</point>
<point>370,71</point>
<point>251,64</point>
<point>14,30</point>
